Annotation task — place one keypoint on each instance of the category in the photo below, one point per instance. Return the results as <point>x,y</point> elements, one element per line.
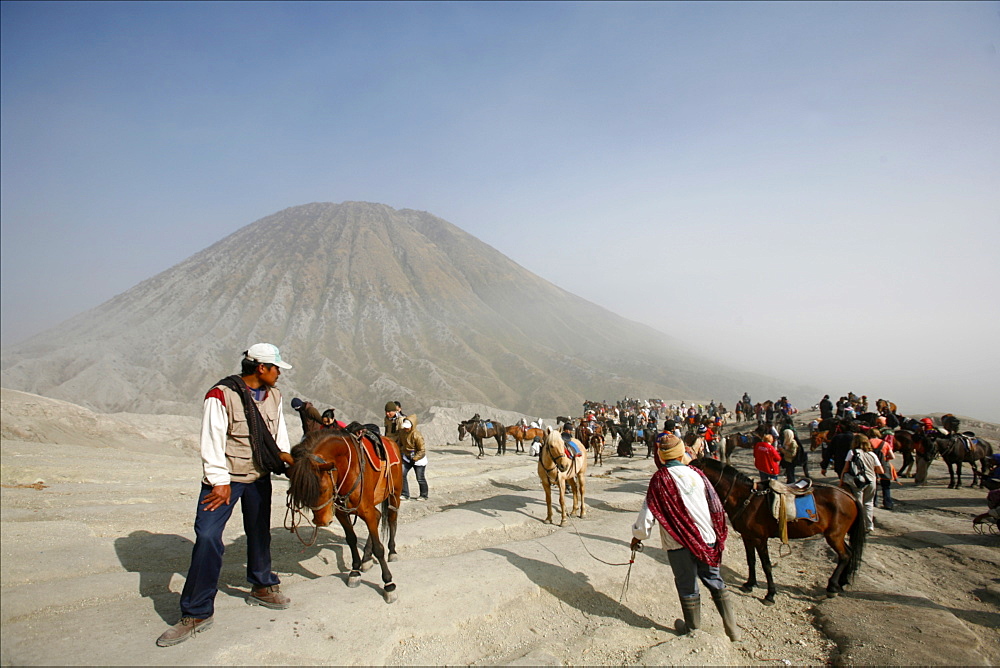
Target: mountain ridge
<point>368,303</point>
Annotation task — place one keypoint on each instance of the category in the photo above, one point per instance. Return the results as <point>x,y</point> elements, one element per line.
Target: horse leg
<point>479,444</point>
<point>751,582</point>
<point>562,501</point>
<point>547,486</point>
<point>581,486</point>
<point>765,562</point>
<point>835,585</point>
<point>951,474</point>
<point>372,517</point>
<point>354,577</point>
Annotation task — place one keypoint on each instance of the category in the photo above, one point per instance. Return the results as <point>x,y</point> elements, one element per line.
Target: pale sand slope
<point>92,566</point>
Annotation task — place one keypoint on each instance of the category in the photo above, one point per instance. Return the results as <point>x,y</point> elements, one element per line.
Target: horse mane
<point>304,487</point>
<point>721,468</point>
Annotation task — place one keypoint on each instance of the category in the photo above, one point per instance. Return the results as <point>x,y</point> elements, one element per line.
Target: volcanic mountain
<point>369,304</point>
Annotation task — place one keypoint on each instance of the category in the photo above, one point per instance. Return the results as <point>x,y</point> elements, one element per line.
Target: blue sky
<point>810,190</point>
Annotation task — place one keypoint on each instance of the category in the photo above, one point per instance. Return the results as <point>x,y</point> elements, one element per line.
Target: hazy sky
<point>807,190</point>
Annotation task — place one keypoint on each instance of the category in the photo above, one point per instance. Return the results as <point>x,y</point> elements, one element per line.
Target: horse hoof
<point>390,596</point>
<point>746,587</point>
<point>768,600</point>
<point>832,594</point>
<point>366,565</point>
<point>393,556</point>
<point>354,579</point>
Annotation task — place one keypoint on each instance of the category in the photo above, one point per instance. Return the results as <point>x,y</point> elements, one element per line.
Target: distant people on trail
<point>237,462</point>
<point>766,459</point>
<point>692,531</point>
<point>825,408</point>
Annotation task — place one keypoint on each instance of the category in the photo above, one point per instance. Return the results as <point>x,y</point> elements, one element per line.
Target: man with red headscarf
<point>692,531</point>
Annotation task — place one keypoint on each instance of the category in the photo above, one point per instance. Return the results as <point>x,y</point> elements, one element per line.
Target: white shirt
<point>691,487</point>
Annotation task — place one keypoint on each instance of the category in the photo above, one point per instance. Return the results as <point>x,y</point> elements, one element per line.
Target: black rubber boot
<point>725,607</point>
<point>691,607</point>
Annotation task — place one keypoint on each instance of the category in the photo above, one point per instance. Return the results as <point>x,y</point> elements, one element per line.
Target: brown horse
<point>737,440</point>
<point>480,429</point>
<point>597,445</point>
<point>749,510</point>
<point>555,467</point>
<point>956,449</point>
<point>882,406</point>
<point>332,476</point>
<point>520,434</point>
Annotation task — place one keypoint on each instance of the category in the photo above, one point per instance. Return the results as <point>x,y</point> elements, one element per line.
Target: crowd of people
<point>244,439</point>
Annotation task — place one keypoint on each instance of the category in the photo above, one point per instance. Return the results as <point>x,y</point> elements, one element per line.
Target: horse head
<point>463,429</point>
<point>313,477</point>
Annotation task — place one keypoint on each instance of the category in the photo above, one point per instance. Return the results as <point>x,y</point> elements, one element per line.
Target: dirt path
<point>93,563</point>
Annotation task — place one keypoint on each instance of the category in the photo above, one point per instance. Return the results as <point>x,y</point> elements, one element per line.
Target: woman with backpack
<point>860,469</point>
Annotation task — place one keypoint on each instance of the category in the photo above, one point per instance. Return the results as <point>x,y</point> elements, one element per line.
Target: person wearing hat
<point>232,453</point>
<point>692,531</point>
<point>393,422</point>
<point>311,419</point>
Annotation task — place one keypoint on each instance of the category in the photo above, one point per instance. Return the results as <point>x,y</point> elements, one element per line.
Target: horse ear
<point>548,429</point>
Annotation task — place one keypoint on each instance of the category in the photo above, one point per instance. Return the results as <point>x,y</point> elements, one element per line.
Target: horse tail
<point>857,538</point>
<point>384,529</point>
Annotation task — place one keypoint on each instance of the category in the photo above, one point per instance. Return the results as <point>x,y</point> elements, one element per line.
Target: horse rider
<point>692,531</point>
<point>569,440</point>
<point>825,408</point>
<point>232,457</point>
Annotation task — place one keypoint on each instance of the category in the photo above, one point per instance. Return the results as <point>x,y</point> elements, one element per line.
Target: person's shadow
<point>157,557</point>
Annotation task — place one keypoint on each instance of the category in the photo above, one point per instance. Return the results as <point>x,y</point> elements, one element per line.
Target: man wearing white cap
<point>243,440</point>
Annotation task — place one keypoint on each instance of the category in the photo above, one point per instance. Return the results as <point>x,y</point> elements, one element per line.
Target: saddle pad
<point>373,459</point>
<point>796,507</point>
<point>489,425</point>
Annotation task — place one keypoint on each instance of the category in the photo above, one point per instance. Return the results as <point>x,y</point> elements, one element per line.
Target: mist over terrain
<point>369,304</point>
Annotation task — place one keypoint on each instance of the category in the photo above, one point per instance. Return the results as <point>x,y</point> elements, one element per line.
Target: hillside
<point>369,303</point>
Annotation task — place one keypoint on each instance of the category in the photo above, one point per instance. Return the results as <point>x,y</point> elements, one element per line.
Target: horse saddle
<point>376,451</point>
<point>573,448</point>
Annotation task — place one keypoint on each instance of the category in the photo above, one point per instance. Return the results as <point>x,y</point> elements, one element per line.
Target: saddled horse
<point>883,406</point>
<point>556,467</point>
<point>908,443</point>
<point>738,440</point>
<point>695,445</point>
<point>520,434</point>
<point>840,521</point>
<point>480,429</point>
<point>956,449</point>
<point>333,476</point>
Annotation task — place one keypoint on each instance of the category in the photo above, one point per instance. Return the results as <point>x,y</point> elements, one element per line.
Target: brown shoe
<point>269,597</point>
<point>184,629</point>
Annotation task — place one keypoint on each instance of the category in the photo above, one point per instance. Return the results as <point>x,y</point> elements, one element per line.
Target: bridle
<point>339,501</point>
<point>555,462</point>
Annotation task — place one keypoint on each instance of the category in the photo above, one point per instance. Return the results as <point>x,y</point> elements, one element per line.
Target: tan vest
<point>393,426</point>
<point>239,456</point>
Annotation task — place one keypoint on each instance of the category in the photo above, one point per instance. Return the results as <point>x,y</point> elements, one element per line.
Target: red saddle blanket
<point>369,447</point>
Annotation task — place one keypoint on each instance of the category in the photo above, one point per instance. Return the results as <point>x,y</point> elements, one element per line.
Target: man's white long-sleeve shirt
<point>214,432</point>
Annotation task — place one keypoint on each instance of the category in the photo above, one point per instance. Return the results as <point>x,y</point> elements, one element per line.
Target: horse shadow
<point>451,451</point>
<point>157,557</point>
<point>987,619</point>
<point>498,502</point>
<point>575,590</point>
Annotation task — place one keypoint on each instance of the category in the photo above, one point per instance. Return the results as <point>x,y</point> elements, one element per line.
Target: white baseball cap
<point>266,353</point>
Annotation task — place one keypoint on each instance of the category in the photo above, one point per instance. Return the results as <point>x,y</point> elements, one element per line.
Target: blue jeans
<point>688,570</point>
<point>420,472</point>
<point>764,477</point>
<point>198,596</point>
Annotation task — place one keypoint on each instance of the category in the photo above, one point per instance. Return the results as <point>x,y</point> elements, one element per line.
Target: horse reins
<point>338,500</point>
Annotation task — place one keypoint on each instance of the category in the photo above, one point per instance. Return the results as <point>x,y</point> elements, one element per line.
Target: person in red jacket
<point>767,459</point>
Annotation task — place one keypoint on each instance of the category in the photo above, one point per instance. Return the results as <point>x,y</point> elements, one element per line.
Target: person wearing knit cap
<point>692,531</point>
<point>393,420</point>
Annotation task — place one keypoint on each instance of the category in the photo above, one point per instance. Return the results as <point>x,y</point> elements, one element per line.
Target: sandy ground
<point>94,557</point>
